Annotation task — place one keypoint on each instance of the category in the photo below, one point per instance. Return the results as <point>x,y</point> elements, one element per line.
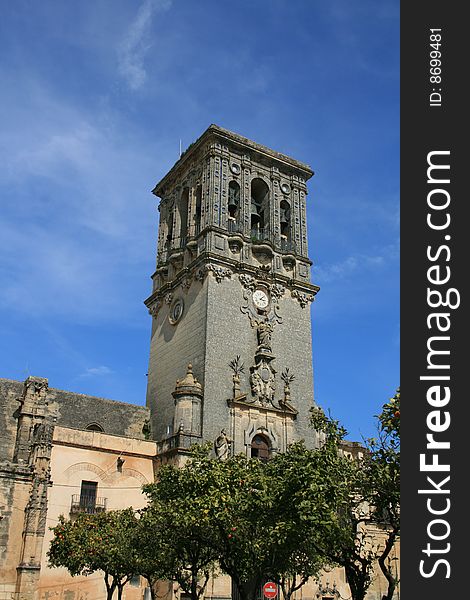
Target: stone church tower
<point>230,301</point>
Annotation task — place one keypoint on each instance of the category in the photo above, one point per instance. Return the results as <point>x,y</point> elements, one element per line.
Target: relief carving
<point>218,272</point>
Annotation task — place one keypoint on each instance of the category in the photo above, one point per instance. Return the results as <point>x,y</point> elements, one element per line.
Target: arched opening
<point>183,210</point>
<point>169,230</point>
<point>233,205</point>
<point>94,427</point>
<point>259,208</point>
<point>260,447</point>
<point>198,210</point>
<point>285,222</point>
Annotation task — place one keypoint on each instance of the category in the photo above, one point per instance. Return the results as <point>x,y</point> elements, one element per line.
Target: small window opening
<point>183,210</point>
<point>260,448</point>
<point>94,427</point>
<point>88,496</point>
<point>169,228</point>
<point>259,207</point>
<point>285,219</point>
<point>198,209</point>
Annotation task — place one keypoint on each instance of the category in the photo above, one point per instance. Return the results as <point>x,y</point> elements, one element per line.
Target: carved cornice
<point>224,268</point>
<point>217,271</point>
<point>261,154</point>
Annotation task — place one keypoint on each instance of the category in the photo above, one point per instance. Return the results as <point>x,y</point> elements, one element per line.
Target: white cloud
<point>354,264</point>
<point>136,44</point>
<point>78,223</point>
<point>97,371</point>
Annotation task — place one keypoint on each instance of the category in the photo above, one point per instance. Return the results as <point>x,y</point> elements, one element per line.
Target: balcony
<point>259,236</point>
<point>87,504</point>
<point>288,246</point>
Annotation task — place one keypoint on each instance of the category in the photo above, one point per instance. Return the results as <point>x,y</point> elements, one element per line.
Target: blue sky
<point>96,96</point>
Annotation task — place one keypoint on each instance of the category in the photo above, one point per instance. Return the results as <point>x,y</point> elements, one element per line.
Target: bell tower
<point>230,352</point>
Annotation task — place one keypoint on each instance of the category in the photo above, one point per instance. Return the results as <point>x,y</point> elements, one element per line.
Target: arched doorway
<point>260,447</point>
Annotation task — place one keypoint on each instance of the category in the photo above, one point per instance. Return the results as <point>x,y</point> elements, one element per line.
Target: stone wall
<point>30,414</point>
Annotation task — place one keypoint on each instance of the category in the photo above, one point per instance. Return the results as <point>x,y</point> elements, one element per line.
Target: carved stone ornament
<point>302,298</point>
<point>36,385</point>
<point>186,284</point>
<point>176,311</point>
<point>168,298</point>
<point>218,272</point>
<point>327,591</point>
<point>155,307</point>
<point>275,290</point>
<point>262,381</point>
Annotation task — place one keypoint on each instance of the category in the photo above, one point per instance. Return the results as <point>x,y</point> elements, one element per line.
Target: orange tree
<point>174,539</point>
<point>362,501</point>
<point>384,493</point>
<point>242,514</point>
<point>98,542</point>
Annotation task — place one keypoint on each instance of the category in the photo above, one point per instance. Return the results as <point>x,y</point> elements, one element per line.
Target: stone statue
<point>264,332</point>
<point>222,445</point>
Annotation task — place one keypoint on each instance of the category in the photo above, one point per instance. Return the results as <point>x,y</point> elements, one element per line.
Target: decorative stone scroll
<point>155,307</point>
<point>186,284</point>
<point>302,298</point>
<point>218,272</point>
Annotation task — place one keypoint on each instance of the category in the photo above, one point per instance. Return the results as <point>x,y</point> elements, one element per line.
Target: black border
<point>426,128</point>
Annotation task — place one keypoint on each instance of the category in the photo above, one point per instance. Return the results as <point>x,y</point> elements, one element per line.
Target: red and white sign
<point>270,590</point>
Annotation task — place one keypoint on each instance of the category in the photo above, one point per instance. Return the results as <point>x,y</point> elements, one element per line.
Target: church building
<point>230,362</point>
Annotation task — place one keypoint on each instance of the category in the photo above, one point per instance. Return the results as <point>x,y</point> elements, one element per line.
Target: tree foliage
<point>174,537</point>
<point>97,542</point>
<point>284,519</point>
<point>384,466</point>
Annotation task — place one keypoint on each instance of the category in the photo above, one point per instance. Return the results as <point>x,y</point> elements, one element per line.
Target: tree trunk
<point>194,594</point>
<point>110,587</point>
<point>120,587</point>
<point>152,583</point>
<point>356,582</point>
<point>392,581</point>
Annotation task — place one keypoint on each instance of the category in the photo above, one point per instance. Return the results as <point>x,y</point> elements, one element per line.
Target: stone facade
<point>230,362</point>
<point>232,268</point>
<point>51,442</point>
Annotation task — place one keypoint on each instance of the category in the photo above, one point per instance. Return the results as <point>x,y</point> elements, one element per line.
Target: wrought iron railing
<point>87,504</point>
<point>234,227</point>
<point>288,245</point>
<point>261,235</point>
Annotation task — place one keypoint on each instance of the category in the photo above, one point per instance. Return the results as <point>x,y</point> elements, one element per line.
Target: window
<point>285,223</point>
<point>198,209</point>
<point>183,210</point>
<point>233,202</point>
<point>87,501</point>
<point>94,427</point>
<point>260,447</point>
<point>259,207</point>
<point>88,496</point>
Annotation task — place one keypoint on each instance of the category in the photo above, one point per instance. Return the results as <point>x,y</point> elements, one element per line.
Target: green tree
<point>243,514</point>
<point>174,537</point>
<point>343,535</point>
<point>98,542</point>
<point>384,497</point>
<point>363,499</point>
<point>296,493</point>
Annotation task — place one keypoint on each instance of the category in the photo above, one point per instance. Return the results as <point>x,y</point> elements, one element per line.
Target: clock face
<point>260,299</point>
